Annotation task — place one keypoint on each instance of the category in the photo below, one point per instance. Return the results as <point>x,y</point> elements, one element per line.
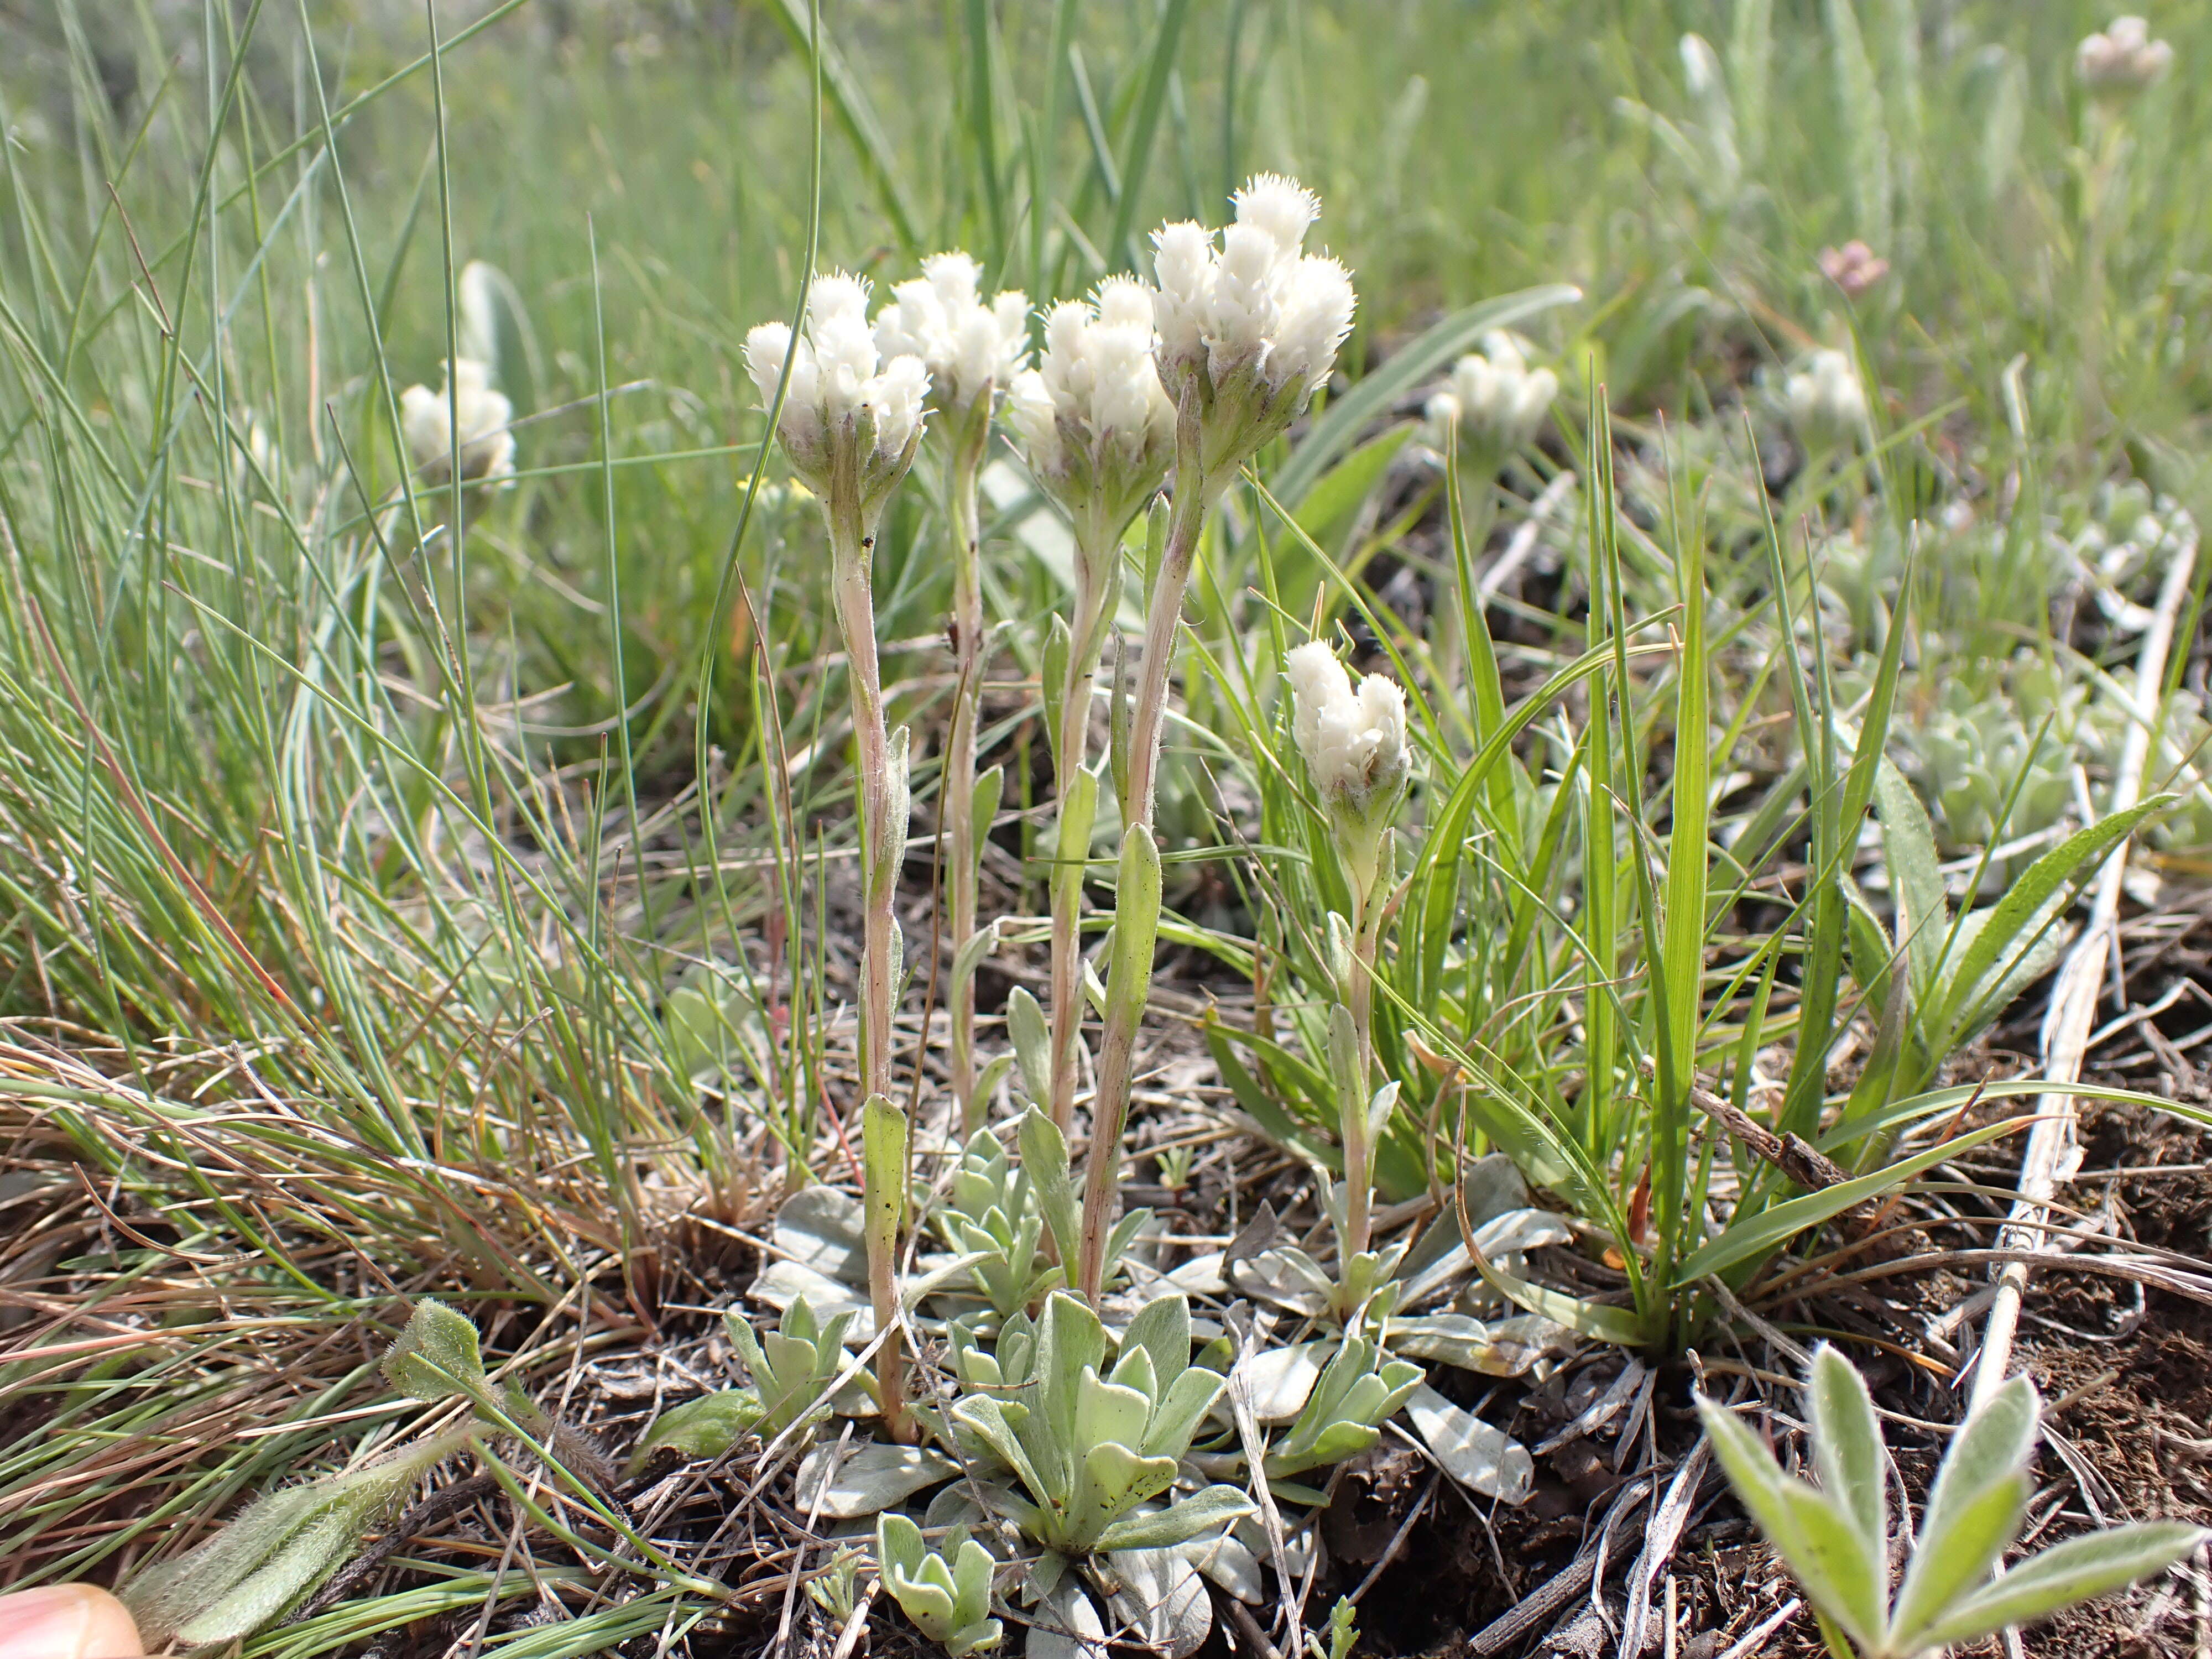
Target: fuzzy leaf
<point>1848,1453</point>
<point>436,1357</point>
<point>1179,1522</point>
<point>2064,1574</point>
<point>1032,1043</point>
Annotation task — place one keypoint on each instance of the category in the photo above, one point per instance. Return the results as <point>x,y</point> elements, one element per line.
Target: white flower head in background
<point>1353,741</point>
<point>1827,404</point>
<point>1250,327</point>
<point>1091,419</point>
<point>427,422</point>
<point>1498,400</point>
<point>851,420</point>
<point>2121,60</point>
<point>971,350</point>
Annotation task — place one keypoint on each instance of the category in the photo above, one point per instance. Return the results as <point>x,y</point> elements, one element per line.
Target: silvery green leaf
<point>1065,1624</point>
<point>1994,1442</point>
<point>869,1478</point>
<point>1157,1596</point>
<point>1287,1276</point>
<point>1833,1563</point>
<point>1379,1108</point>
<point>1482,1459</point>
<point>1276,1380</point>
<point>1136,922</point>
<point>2064,1574</point>
<point>1201,1276</point>
<point>1032,1042</point>
<point>983,809</point>
<point>700,1428</point>
<point>822,1227</point>
<point>1179,1522</point>
<point>1500,1347</point>
<point>436,1358</point>
<point>1162,1328</point>
<point>994,1071</point>
<point>782,1283</point>
<point>1044,1160</point>
<point>1847,1452</point>
<point>1517,1232</point>
<point>1225,1559</point>
<point>1052,681</point>
<point>1944,1570</point>
<point>1337,947</point>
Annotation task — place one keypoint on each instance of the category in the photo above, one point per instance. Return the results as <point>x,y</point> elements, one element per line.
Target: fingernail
<point>65,1621</point>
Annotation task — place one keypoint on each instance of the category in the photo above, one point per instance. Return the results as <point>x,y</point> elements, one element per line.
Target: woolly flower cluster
<point>2122,59</point>
<point>1354,744</point>
<point>1827,405</point>
<point>844,403</point>
<point>1092,418</point>
<point>1258,304</point>
<point>970,349</point>
<point>427,422</point>
<point>1496,399</point>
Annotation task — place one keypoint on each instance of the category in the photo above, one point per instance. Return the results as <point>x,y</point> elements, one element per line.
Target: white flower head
<point>2121,60</point>
<point>1353,741</point>
<point>1498,400</point>
<point>971,350</point>
<point>1827,403</point>
<point>847,410</point>
<point>427,422</point>
<point>1250,312</point>
<point>1092,418</point>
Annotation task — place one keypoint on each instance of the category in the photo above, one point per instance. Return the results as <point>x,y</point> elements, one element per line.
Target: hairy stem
<point>1358,1148</point>
<point>1195,493</point>
<point>1091,591</point>
<point>957,795</point>
<point>852,552</point>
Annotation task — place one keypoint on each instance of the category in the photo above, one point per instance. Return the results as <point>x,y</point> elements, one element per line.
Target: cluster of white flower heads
<point>971,350</point>
<point>1092,418</point>
<point>2121,59</point>
<point>1827,404</point>
<point>427,422</point>
<point>1353,739</point>
<point>1258,303</point>
<point>842,392</point>
<point>1495,399</point>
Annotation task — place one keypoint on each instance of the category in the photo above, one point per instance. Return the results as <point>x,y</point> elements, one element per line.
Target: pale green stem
<point>1087,636</point>
<point>1358,1150</point>
<point>958,793</point>
<point>851,554</point>
<point>1195,494</point>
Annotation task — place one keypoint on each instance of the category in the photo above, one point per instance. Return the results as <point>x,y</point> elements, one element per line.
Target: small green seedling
<point>1352,1396</point>
<point>836,1592</point>
<point>1835,1538</point>
<point>792,1369</point>
<point>1089,1449</point>
<point>946,1591</point>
